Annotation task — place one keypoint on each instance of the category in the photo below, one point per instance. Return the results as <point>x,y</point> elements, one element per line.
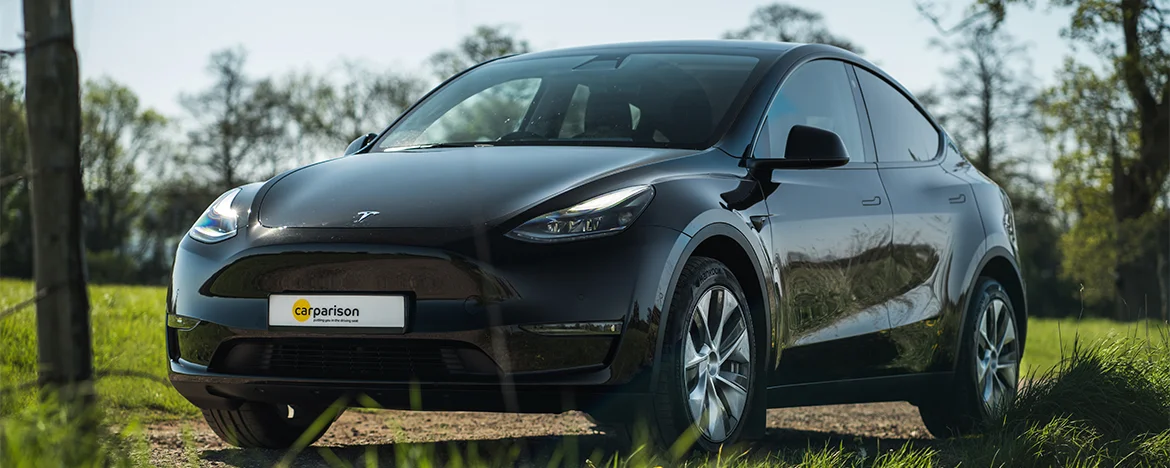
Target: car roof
<point>727,46</point>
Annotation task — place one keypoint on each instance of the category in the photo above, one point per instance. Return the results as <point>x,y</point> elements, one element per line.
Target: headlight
<point>219,221</point>
<point>599,216</point>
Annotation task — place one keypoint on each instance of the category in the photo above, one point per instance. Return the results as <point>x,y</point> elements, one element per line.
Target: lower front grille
<point>347,359</point>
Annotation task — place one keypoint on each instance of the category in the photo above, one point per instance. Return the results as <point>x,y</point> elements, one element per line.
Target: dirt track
<point>539,436</point>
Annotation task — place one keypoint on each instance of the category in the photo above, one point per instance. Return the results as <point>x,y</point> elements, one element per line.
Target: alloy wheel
<point>997,356</point>
<point>717,363</point>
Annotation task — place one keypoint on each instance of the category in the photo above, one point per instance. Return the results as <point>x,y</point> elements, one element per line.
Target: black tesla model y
<point>686,233</point>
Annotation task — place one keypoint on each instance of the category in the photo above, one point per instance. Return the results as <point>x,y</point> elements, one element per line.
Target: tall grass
<point>46,433</point>
<point>1106,404</point>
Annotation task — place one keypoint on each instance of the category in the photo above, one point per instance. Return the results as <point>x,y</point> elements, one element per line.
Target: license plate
<point>321,310</point>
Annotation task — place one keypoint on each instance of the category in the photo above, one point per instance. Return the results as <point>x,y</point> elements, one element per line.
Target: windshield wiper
<point>464,144</point>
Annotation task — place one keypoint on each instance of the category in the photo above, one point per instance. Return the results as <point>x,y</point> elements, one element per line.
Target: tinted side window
<point>818,95</point>
<point>900,131</point>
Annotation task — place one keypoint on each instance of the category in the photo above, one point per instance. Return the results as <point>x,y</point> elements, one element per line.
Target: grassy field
<point>128,347</point>
<point>1081,415</point>
<point>1049,339</point>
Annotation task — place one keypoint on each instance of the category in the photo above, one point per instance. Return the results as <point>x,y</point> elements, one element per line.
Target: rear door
<point>830,233</point>
<point>934,211</point>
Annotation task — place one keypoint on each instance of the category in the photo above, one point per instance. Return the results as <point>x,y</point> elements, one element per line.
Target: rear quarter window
<point>901,132</point>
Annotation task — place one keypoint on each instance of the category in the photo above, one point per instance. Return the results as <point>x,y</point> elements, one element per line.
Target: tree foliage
<point>1089,117</point>
<point>1131,144</point>
<point>240,129</point>
<point>788,23</point>
<point>237,123</point>
<point>116,136</point>
<point>485,43</point>
<point>987,96</point>
<point>15,217</point>
<point>331,112</point>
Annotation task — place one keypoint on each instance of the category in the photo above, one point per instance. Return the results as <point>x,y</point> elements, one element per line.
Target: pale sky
<point>160,48</point>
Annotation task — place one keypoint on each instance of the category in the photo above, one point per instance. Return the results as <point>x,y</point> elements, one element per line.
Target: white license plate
<point>321,310</point>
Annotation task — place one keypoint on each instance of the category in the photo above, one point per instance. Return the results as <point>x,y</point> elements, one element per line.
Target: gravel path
<point>538,437</point>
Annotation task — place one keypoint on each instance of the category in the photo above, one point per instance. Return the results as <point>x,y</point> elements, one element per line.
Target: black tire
<point>256,425</point>
<point>959,410</point>
<point>670,417</point>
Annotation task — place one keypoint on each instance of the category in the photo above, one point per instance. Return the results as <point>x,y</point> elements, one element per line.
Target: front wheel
<point>257,425</point>
<point>989,366</point>
<point>707,376</point>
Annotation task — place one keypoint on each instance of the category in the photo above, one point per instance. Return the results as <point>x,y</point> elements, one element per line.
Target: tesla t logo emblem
<point>362,215</point>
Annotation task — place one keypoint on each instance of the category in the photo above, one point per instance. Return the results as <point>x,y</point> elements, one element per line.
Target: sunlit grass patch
<point>128,346</point>
<point>1049,338</point>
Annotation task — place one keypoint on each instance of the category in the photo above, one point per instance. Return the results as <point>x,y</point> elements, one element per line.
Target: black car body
<point>861,277</point>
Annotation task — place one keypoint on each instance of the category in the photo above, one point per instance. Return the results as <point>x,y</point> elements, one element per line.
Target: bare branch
<point>10,178</point>
<point>924,8</point>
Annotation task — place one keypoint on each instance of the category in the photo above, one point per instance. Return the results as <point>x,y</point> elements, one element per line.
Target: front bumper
<point>578,391</point>
<point>465,330</point>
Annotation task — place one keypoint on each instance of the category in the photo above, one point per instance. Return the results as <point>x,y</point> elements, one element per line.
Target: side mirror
<point>808,148</point>
<point>359,143</point>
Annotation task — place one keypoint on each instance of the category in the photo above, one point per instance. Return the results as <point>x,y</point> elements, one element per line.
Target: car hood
<point>440,187</point>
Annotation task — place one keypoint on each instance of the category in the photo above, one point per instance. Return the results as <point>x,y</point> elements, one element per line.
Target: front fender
<point>682,251</point>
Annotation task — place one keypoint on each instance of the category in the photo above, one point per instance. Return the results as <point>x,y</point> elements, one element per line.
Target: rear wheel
<point>258,425</point>
<point>989,366</point>
<point>705,387</point>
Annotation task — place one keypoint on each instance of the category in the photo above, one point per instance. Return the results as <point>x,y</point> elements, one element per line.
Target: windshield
<point>660,100</point>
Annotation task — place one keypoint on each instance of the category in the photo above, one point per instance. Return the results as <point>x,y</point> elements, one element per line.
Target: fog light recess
<point>575,328</point>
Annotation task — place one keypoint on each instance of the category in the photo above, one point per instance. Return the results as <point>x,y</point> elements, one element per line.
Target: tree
<point>15,214</point>
<point>1133,37</point>
<point>1095,126</point>
<point>787,23</point>
<point>116,134</point>
<point>174,202</point>
<point>485,43</point>
<point>987,96</point>
<point>331,113</point>
<point>239,122</point>
<point>53,109</point>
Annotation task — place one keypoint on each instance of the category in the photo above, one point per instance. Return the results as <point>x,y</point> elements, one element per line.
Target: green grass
<point>128,347</point>
<point>1049,339</point>
<point>47,434</point>
<point>1107,404</point>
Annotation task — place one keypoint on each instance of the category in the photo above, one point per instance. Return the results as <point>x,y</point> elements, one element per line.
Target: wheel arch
<point>724,243</point>
<point>999,264</point>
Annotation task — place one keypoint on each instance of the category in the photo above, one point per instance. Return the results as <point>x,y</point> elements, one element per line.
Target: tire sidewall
<point>689,290</point>
<point>988,290</point>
